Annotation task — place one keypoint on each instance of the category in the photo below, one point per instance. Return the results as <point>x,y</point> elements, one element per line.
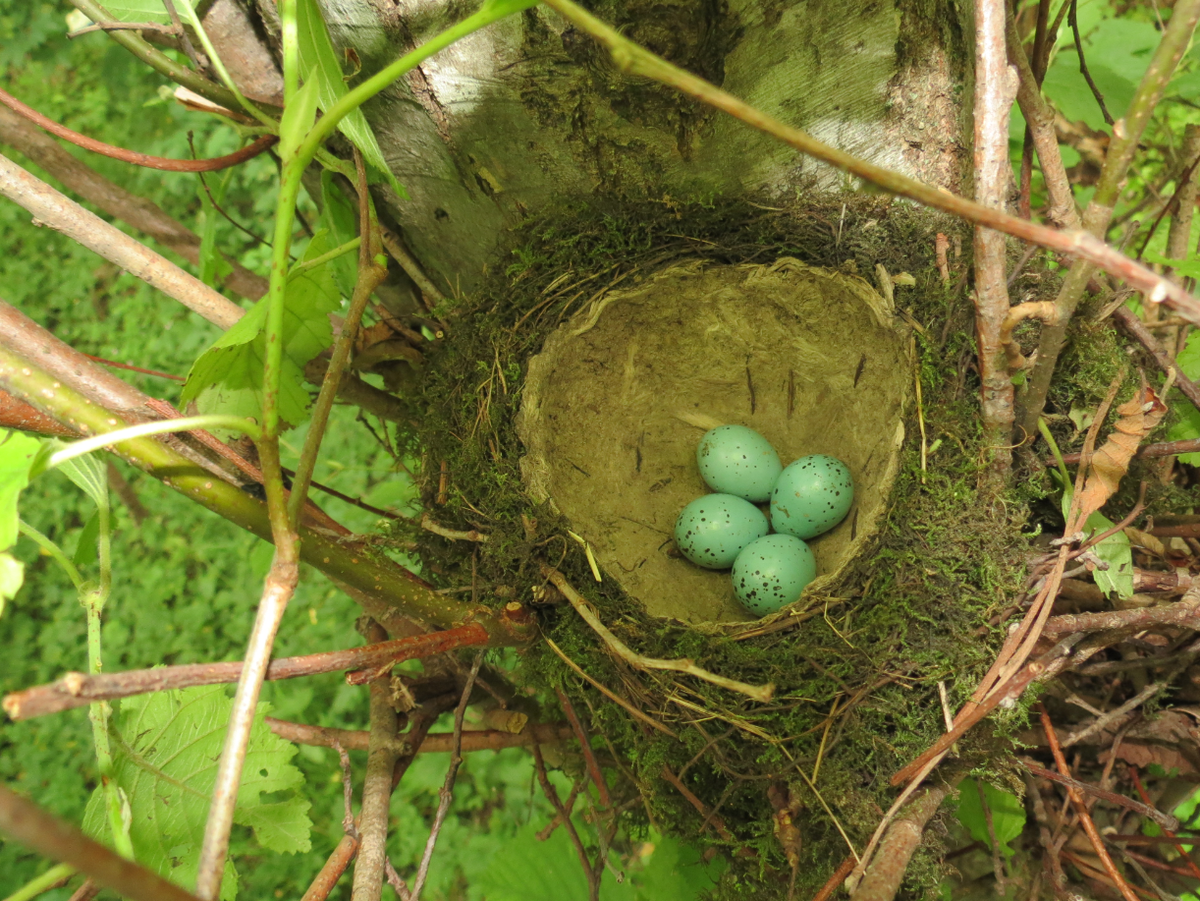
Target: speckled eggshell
<point>712,530</point>
<point>811,496</point>
<point>772,572</point>
<point>736,460</point>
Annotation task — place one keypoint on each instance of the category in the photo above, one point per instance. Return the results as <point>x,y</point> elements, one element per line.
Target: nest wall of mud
<point>856,666</point>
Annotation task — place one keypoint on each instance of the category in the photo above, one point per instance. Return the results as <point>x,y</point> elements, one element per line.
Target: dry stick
<point>136,211</point>
<point>612,696</point>
<point>278,588</point>
<point>86,892</point>
<point>1098,215</point>
<point>1184,612</point>
<point>757,692</point>
<point>701,807</point>
<point>132,156</point>
<point>433,743</point>
<point>377,785</point>
<point>630,58</point>
<point>400,253</point>
<point>883,877</point>
<point>1167,833</point>
<point>585,745</point>
<point>51,208</point>
<point>1040,120</point>
<point>1085,818</point>
<point>1073,21</point>
<point>1044,310</point>
<point>593,874</point>
<point>1147,810</point>
<point>834,882</point>
<point>335,866</point>
<point>1136,329</point>
<point>1058,878</point>
<point>993,101</point>
<point>79,689</point>
<point>446,795</point>
<point>27,824</point>
<point>1165,449</point>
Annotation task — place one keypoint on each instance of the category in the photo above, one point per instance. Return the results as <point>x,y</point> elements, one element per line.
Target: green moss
<point>917,611</point>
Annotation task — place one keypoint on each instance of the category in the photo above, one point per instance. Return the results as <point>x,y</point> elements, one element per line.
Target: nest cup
<point>617,401</point>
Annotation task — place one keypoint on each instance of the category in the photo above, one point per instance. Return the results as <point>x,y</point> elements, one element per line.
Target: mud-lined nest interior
<point>857,666</point>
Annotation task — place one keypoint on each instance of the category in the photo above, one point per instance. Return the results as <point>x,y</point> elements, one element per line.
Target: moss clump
<point>856,681</point>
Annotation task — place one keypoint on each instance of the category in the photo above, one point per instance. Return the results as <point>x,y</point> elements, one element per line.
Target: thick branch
<point>78,689</point>
<point>884,876</point>
<point>138,212</point>
<point>382,582</point>
<point>27,824</point>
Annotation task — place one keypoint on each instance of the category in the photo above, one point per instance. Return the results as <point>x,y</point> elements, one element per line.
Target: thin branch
<point>377,786</point>
<point>585,744</point>
<point>335,866</point>
<point>592,873</point>
<point>114,200</point>
<point>280,584</point>
<point>59,212</point>
<point>1081,809</point>
<point>27,824</point>
<point>1136,329</point>
<point>993,171</point>
<point>1073,21</point>
<point>400,253</point>
<point>434,743</point>
<point>636,60</point>
<point>1044,310</point>
<point>132,156</point>
<point>446,795</point>
<point>78,689</point>
<point>757,692</point>
<point>1098,215</point>
<point>701,807</point>
<point>1146,810</point>
<point>1185,612</point>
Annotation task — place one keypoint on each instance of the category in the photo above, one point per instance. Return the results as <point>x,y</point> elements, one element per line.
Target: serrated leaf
<point>166,763</point>
<point>12,576</point>
<point>1186,268</point>
<point>1008,814</point>
<point>227,378</point>
<point>18,453</point>
<point>89,475</point>
<point>298,117</point>
<point>339,217</point>
<point>320,60</point>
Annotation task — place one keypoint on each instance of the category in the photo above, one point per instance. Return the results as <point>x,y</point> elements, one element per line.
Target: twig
<point>1085,818</point>
<point>278,588</point>
<point>701,807</point>
<point>429,525</point>
<point>1073,21</point>
<point>757,692</point>
<point>1184,612</point>
<point>1098,216</point>
<point>1044,310</point>
<point>1167,833</point>
<point>1163,819</point>
<point>635,60</point>
<point>1164,449</point>
<point>997,862</point>
<point>27,824</point>
<point>585,745</point>
<point>993,171</point>
<point>835,881</point>
<point>446,795</point>
<point>1136,329</point>
<point>78,689</point>
<point>400,253</point>
<point>377,785</point>
<point>881,880</point>
<point>51,208</point>
<point>132,156</point>
<point>111,198</point>
<point>335,866</point>
<point>1058,879</point>
<point>593,873</point>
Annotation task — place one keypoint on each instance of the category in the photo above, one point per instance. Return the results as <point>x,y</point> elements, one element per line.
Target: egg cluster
<point>725,529</point>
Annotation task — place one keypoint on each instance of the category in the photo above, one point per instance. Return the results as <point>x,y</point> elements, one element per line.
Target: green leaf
<point>1187,427</point>
<point>676,872</point>
<point>227,378</point>
<point>213,265</point>
<point>1187,268</point>
<point>506,7</point>
<point>138,11</point>
<point>298,117</point>
<point>90,476</point>
<point>1114,550</point>
<point>166,763</point>
<point>87,551</point>
<point>339,217</point>
<point>525,869</point>
<point>1117,52</point>
<point>318,57</point>
<point>18,454</point>
<point>12,576</point>
<point>1008,814</point>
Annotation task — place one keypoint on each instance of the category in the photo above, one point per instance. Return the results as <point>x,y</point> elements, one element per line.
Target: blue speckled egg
<point>812,496</point>
<point>712,530</point>
<point>772,572</point>
<point>736,460</point>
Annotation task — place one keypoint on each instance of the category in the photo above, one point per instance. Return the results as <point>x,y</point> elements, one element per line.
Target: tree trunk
<point>530,113</point>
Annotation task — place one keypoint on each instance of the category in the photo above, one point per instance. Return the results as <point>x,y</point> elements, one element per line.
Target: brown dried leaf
<point>1139,415</point>
<point>787,808</point>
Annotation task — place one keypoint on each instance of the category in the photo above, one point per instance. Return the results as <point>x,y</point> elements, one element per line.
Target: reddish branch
<point>436,743</point>
<point>138,212</point>
<point>27,824</point>
<point>78,689</point>
<point>132,156</point>
<point>1147,810</point>
<point>335,866</point>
